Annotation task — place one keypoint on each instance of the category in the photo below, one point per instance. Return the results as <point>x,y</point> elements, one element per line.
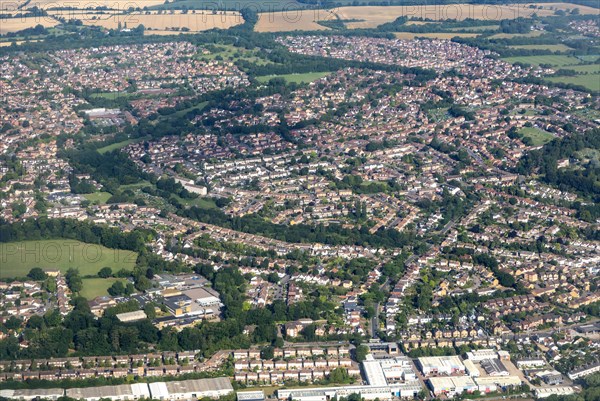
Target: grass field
<point>172,23</point>
<point>97,287</point>
<point>296,78</point>
<point>99,197</point>
<point>588,68</point>
<point>287,21</point>
<point>17,258</point>
<point>531,34</point>
<point>476,28</point>
<point>18,24</point>
<point>434,35</point>
<point>137,185</point>
<point>538,137</point>
<point>590,81</point>
<point>556,61</point>
<point>112,95</point>
<point>232,53</point>
<point>587,58</point>
<point>552,48</point>
<point>119,145</point>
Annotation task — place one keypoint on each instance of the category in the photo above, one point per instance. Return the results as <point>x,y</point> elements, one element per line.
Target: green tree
<point>361,352</point>
<point>37,274</point>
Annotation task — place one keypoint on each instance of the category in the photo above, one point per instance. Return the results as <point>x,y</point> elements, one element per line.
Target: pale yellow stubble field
<point>168,24</point>
<point>92,4</point>
<point>18,24</point>
<point>373,16</point>
<point>296,20</point>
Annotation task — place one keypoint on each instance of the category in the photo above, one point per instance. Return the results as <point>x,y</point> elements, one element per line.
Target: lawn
<point>17,258</point>
<point>590,81</point>
<point>112,95</point>
<point>98,197</point>
<point>202,203</point>
<point>538,137</point>
<point>295,78</point>
<point>557,61</point>
<point>97,287</point>
<point>119,145</point>
<point>233,53</point>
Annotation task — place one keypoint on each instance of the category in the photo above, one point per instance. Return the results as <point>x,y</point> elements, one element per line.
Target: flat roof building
<point>374,372</point>
<point>481,354</point>
<point>494,367</point>
<point>131,316</point>
<point>33,394</point>
<point>451,386</point>
<point>441,365</point>
<point>472,370</point>
<point>190,389</point>
<point>548,391</point>
<point>118,392</point>
<point>502,381</point>
<point>250,395</point>
<point>327,393</point>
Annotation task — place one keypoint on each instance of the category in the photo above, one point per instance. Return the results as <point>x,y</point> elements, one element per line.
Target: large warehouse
<point>33,394</point>
<point>441,365</point>
<point>189,389</point>
<point>452,385</point>
<point>120,392</point>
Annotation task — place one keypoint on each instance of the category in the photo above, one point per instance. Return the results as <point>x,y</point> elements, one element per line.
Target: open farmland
<point>434,35</point>
<point>109,4</point>
<point>17,258</point>
<point>16,42</point>
<point>10,5</point>
<point>171,23</point>
<point>377,15</point>
<point>18,24</point>
<point>553,48</point>
<point>556,61</point>
<point>299,20</point>
<point>586,68</point>
<point>589,81</point>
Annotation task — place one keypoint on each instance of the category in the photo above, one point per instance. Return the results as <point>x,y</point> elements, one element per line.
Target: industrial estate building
<point>441,365</point>
<point>115,393</point>
<point>548,391</point>
<point>33,394</point>
<point>191,389</point>
<point>174,390</point>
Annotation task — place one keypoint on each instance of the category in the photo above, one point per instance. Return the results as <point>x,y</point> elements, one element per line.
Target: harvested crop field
<point>377,15</point>
<point>18,24</point>
<point>16,42</point>
<point>434,35</point>
<point>171,23</point>
<point>297,20</point>
<point>82,5</point>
